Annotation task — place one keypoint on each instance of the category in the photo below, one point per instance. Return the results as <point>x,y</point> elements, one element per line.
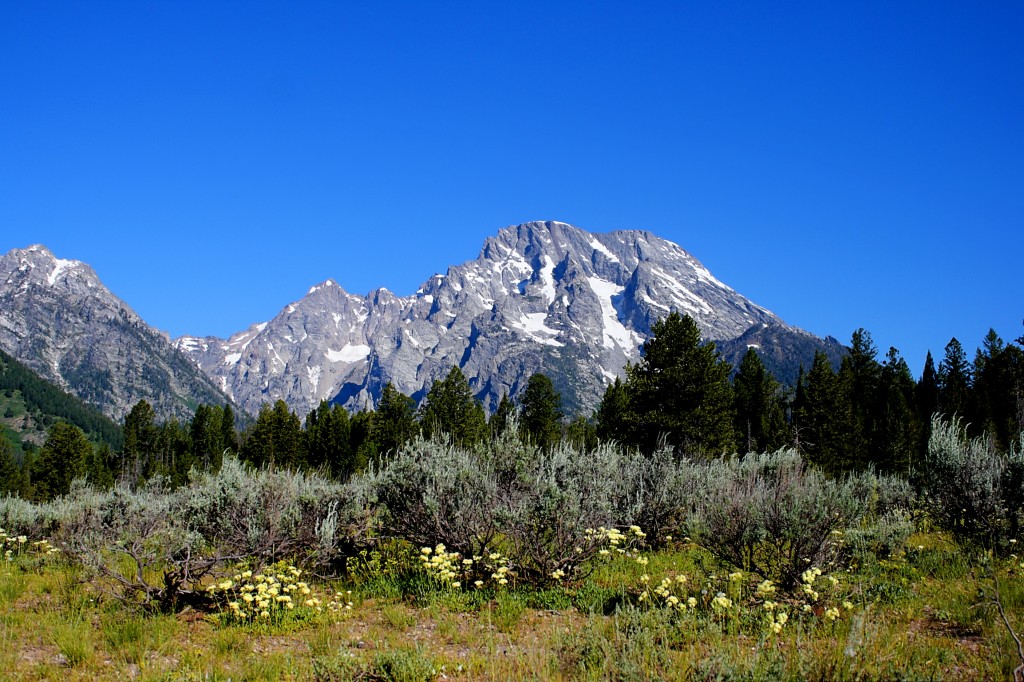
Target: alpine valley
<point>541,297</point>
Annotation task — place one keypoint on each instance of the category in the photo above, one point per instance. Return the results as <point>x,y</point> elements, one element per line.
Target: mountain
<point>58,319</point>
<point>29,405</point>
<point>541,297</point>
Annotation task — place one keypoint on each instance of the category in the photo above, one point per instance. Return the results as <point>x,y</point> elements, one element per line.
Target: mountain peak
<point>542,296</point>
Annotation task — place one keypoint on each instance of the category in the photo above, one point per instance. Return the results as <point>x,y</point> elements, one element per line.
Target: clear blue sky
<point>843,164</point>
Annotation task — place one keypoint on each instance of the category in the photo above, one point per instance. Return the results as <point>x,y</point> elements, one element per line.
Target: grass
<point>916,616</point>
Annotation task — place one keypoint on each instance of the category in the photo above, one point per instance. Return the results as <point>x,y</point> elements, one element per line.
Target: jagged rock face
<point>58,318</point>
<point>541,297</point>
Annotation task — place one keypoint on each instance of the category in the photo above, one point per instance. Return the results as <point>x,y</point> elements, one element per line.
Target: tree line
<point>869,412</point>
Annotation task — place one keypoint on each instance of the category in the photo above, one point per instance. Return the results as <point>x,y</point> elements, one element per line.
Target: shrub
<point>435,493</point>
<point>774,515</point>
<point>658,493</point>
<point>972,490</point>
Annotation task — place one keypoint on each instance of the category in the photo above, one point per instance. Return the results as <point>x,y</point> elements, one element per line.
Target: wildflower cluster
<point>265,597</point>
<point>617,541</point>
<point>670,592</point>
<point>449,569</point>
<point>14,546</point>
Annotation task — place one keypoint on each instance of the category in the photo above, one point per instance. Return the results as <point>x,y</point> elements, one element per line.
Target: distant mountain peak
<point>58,318</point>
<point>541,296</point>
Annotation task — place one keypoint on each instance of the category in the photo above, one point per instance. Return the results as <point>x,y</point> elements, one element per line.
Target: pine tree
<point>10,472</point>
<point>228,435</point>
<point>899,426</point>
<point>61,460</point>
<point>276,439</point>
<point>996,390</point>
<point>613,415</point>
<point>863,383</point>
<point>680,391</point>
<point>581,433</point>
<point>140,435</point>
<point>540,409</point>
<point>954,379</point>
<point>394,422</point>
<point>329,441</point>
<point>450,409</point>
<point>760,418</point>
<point>824,418</point>
<point>207,435</point>
<point>926,399</point>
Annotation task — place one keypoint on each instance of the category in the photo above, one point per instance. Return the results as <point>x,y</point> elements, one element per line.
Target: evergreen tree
<point>613,417</point>
<point>394,422</point>
<point>207,435</point>
<point>228,435</point>
<point>996,390</point>
<point>540,410</point>
<point>10,472</point>
<point>954,378</point>
<point>899,427</point>
<point>364,448</point>
<point>824,418</point>
<point>862,381</point>
<point>926,397</point>
<point>140,434</point>
<point>61,460</point>
<point>276,439</point>
<point>173,454</point>
<point>499,421</point>
<point>98,467</point>
<point>329,441</point>
<point>760,418</point>
<point>680,391</point>
<point>450,408</point>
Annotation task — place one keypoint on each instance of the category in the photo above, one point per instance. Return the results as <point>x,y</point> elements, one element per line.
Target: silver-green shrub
<point>435,493</point>
<point>774,515</point>
<point>971,489</point>
<point>563,493</point>
<point>657,492</point>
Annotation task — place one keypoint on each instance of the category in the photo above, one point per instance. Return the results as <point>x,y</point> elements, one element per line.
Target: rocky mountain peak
<point>57,317</point>
<point>541,296</point>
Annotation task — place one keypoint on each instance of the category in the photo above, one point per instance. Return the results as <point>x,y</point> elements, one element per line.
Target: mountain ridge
<point>540,296</point>
<point>58,318</point>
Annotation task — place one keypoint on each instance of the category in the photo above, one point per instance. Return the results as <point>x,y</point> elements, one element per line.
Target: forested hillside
<point>30,405</point>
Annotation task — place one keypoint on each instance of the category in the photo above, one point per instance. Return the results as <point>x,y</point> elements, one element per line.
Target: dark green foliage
<point>41,397</point>
<point>760,418</point>
<point>997,405</point>
<point>581,433</point>
<point>207,434</point>
<point>61,460</point>
<point>679,392</point>
<point>276,439</point>
<point>898,432</point>
<point>394,422</point>
<point>140,443</point>
<point>613,414</point>
<point>954,381</point>
<point>450,409</point>
<point>228,435</point>
<point>823,418</point>
<point>328,439</point>
<point>10,472</point>
<point>540,412</point>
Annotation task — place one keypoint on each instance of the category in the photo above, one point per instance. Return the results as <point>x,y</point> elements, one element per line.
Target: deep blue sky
<point>843,164</point>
